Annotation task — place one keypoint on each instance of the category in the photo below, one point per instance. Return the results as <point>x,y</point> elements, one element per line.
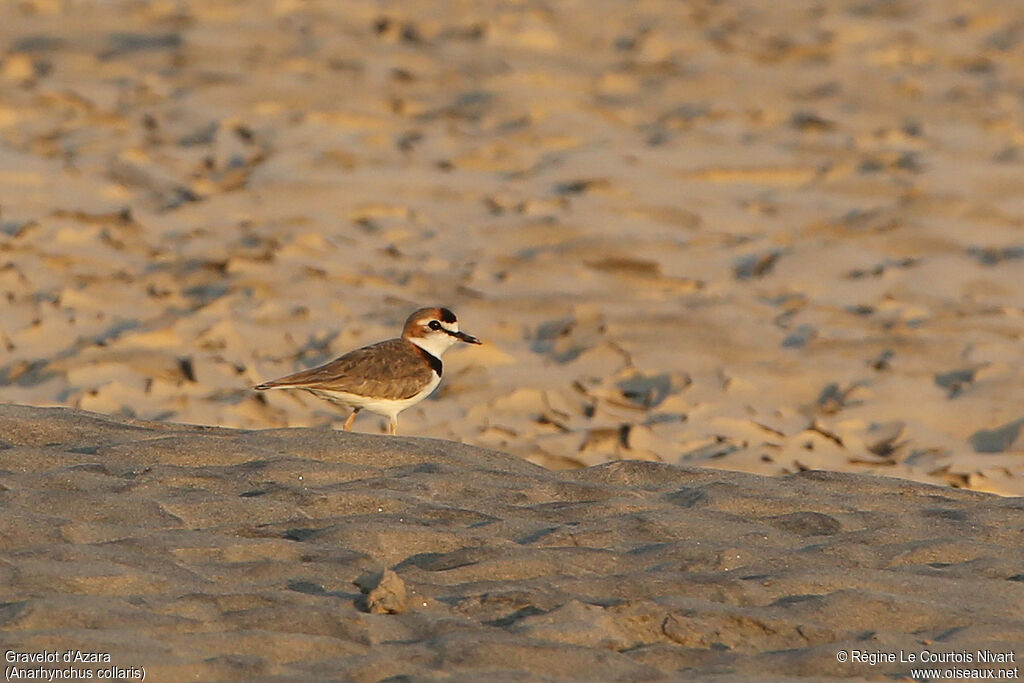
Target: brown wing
<point>394,369</point>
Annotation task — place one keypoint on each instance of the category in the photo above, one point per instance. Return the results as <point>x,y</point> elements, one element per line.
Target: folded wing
<point>392,369</point>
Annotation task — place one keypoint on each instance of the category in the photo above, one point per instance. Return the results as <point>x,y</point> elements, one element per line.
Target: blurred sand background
<point>754,236</point>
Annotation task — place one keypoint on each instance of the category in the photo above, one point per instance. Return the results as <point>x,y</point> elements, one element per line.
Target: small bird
<point>387,377</point>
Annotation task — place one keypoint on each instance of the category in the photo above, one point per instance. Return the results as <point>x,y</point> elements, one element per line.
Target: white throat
<point>435,344</point>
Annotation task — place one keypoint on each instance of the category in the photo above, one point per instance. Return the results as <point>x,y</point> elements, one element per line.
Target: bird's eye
<point>434,325</point>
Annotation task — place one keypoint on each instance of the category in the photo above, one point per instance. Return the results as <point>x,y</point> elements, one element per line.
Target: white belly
<point>380,406</point>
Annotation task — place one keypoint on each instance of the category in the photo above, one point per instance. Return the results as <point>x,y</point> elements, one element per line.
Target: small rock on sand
<point>384,593</point>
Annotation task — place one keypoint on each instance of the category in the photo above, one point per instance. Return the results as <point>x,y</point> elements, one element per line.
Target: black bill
<point>468,338</point>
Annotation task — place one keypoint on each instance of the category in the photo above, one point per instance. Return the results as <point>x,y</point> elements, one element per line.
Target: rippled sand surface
<point>219,554</point>
<point>749,236</point>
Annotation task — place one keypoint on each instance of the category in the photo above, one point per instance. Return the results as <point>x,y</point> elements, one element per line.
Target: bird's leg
<point>393,425</point>
<point>351,420</point>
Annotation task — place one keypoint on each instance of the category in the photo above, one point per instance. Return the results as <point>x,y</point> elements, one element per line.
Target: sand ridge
<point>220,554</point>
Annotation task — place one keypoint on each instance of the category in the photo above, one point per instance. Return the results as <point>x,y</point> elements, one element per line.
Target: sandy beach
<point>745,237</point>
<point>749,278</point>
<point>219,554</point>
